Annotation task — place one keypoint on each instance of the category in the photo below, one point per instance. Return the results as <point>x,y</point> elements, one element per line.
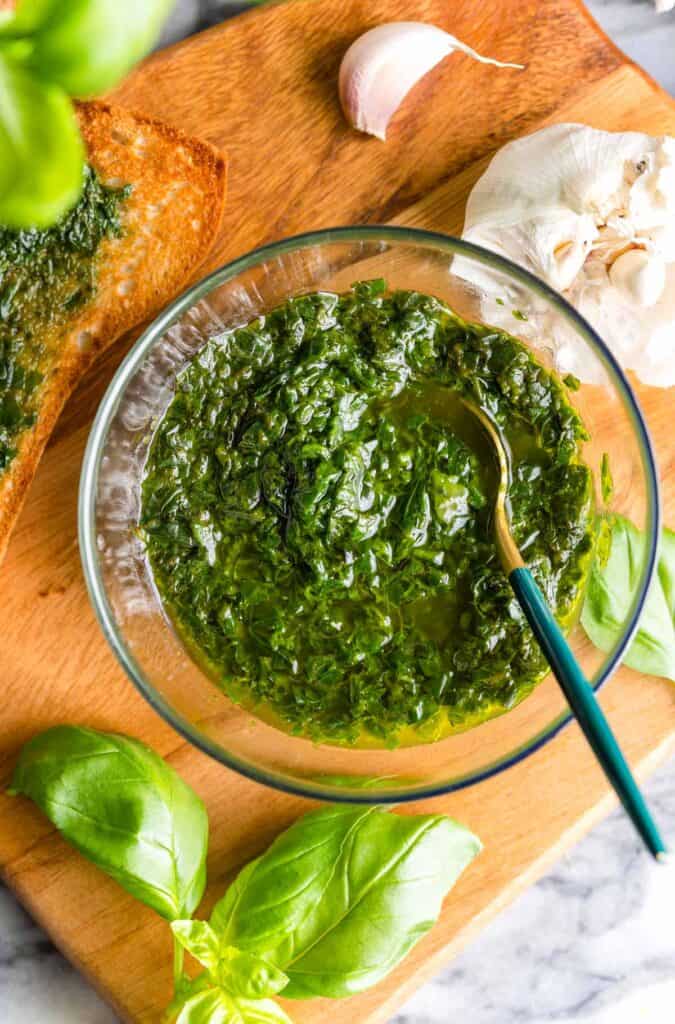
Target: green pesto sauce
<point>44,276</point>
<point>317,515</point>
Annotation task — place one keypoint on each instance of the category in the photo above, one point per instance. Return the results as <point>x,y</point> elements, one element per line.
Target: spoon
<point>566,669</point>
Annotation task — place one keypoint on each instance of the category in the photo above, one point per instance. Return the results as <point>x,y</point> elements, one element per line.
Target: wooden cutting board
<point>264,87</point>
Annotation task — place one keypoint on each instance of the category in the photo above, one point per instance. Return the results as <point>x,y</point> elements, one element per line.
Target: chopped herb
<point>571,382</point>
<point>606,479</point>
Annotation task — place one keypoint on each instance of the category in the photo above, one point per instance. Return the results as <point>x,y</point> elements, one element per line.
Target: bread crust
<point>169,223</point>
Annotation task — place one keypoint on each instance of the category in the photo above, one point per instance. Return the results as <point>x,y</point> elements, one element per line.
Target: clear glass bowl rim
<point>129,365</point>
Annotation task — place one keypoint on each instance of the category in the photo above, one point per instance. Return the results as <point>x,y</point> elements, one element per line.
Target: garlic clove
<point>640,276</point>
<point>381,67</point>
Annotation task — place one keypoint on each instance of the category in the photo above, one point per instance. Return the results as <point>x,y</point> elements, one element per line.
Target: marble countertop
<point>592,943</point>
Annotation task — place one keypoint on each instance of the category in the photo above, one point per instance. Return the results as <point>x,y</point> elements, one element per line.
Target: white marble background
<point>592,943</point>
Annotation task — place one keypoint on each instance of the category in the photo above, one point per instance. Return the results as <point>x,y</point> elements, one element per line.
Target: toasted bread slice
<point>168,224</point>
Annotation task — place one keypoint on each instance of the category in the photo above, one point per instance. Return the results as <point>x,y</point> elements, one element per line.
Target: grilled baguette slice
<point>169,222</point>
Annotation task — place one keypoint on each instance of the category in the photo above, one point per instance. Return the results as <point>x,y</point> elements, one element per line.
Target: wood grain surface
<point>263,87</point>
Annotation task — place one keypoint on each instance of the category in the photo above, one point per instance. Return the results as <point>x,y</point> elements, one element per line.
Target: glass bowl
<point>479,286</point>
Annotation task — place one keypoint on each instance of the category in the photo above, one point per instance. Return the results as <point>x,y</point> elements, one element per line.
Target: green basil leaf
<point>86,46</point>
<point>239,973</point>
<point>249,976</point>
<point>226,906</point>
<point>666,568</point>
<point>26,17</point>
<point>259,1011</point>
<point>125,809</point>
<point>209,1007</point>
<point>610,593</point>
<point>216,1006</point>
<point>343,895</point>
<point>41,152</point>
<point>201,942</point>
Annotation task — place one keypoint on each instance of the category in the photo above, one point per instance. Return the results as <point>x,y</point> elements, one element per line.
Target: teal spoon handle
<point>589,714</point>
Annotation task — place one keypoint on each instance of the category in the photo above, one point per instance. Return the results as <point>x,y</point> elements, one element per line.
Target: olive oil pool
<point>317,514</point>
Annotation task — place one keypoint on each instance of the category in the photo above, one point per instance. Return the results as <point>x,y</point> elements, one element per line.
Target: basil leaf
<point>226,906</point>
<point>125,809</point>
<point>610,592</point>
<point>26,17</point>
<point>209,1007</point>
<point>215,1006</point>
<point>249,976</point>
<point>86,46</point>
<point>259,1011</point>
<point>241,974</point>
<point>200,940</point>
<point>41,152</point>
<point>342,896</point>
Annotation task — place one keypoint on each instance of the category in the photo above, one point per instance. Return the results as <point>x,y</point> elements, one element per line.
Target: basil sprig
<point>329,909</point>
<point>50,50</point>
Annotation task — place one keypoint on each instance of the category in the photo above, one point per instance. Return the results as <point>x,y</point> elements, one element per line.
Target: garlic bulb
<point>382,66</point>
<point>593,214</point>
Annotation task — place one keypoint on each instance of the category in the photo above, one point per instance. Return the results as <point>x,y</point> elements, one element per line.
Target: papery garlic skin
<point>640,276</point>
<point>593,214</point>
<point>381,67</point>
